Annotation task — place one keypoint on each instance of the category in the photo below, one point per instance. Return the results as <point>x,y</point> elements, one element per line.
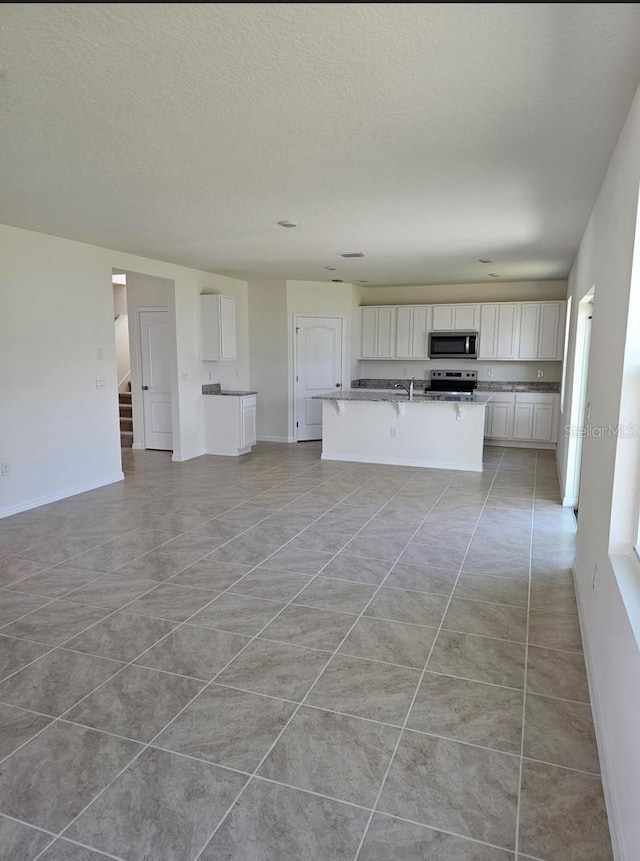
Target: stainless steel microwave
<point>453,345</point>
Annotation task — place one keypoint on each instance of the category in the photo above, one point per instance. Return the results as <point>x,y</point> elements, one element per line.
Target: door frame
<point>142,444</point>
<point>578,415</point>
<point>295,363</point>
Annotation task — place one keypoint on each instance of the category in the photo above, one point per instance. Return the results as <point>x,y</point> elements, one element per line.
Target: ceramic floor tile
<point>555,631</point>
<point>308,626</point>
<point>191,651</point>
<point>422,578</point>
<point>137,703</point>
<point>496,590</point>
<point>175,603</point>
<point>455,787</point>
<point>55,623</point>
<point>324,540</point>
<point>239,614</point>
<point>272,822</point>
<point>271,585</point>
<point>345,567</point>
<point>56,681</point>
<point>365,689</point>
<point>121,636</point>
<point>392,642</point>
<point>162,806</point>
<point>14,569</point>
<point>55,582</point>
<point>443,555</point>
<point>340,595</point>
<point>562,815</point>
<point>15,654</point>
<point>469,711</point>
<point>374,548</point>
<point>389,837</point>
<point>343,757</point>
<point>112,591</point>
<point>13,605</point>
<point>63,850</point>
<point>206,574</point>
<point>228,727</point>
<point>16,727</point>
<point>20,842</point>
<point>416,608</point>
<point>487,620</point>
<point>276,669</point>
<point>547,593</point>
<point>557,674</point>
<point>560,732</point>
<point>298,561</point>
<point>159,564</point>
<point>49,781</point>
<point>479,659</point>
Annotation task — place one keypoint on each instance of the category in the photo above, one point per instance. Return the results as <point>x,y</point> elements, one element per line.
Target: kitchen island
<point>383,426</point>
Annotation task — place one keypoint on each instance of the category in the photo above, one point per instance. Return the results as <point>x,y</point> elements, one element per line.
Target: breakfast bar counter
<point>442,431</point>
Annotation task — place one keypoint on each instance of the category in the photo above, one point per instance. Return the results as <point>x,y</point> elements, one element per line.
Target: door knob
<point>338,385</point>
<point>145,388</point>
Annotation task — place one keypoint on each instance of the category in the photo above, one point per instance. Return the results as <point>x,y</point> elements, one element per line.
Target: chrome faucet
<point>408,388</point>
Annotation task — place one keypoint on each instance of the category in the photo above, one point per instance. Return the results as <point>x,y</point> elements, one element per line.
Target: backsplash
<point>483,385</point>
<point>211,388</point>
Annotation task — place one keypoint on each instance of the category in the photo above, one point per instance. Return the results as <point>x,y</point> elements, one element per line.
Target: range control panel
<point>454,375</point>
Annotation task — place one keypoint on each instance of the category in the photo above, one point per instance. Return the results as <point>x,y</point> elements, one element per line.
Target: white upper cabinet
<point>218,325</point>
<point>420,336</point>
<point>542,331</point>
<point>404,332</point>
<point>499,329</point>
<point>450,318</point>
<point>378,332</point>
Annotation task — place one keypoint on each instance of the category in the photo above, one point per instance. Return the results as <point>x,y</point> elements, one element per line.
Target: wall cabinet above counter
<point>508,331</point>
<point>218,328</point>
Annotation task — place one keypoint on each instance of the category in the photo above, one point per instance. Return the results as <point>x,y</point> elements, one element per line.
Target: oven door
<point>453,345</point>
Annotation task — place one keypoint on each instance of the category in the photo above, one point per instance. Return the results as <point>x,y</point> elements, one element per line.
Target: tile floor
<point>281,658</point>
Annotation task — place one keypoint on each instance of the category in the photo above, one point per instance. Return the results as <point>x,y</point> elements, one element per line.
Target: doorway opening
<point>144,319</point>
<point>318,368</point>
<point>580,406</point>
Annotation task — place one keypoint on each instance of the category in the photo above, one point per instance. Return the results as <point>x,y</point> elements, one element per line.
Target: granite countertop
<point>515,386</point>
<point>394,397</point>
<point>216,389</point>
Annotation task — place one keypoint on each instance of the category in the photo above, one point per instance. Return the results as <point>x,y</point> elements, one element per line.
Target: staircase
<point>126,419</point>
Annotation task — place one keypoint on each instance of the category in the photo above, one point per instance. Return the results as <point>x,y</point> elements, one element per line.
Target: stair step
<point>126,424</point>
<point>126,439</point>
<point>126,410</point>
<point>124,397</point>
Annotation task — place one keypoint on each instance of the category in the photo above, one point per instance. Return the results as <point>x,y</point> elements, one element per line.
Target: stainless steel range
<point>460,385</point>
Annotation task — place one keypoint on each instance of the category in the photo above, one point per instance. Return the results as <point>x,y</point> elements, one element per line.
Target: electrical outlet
<point>100,382</point>
<point>540,373</point>
<point>4,469</point>
<point>393,432</point>
<point>490,372</point>
<point>100,354</point>
<point>595,575</point>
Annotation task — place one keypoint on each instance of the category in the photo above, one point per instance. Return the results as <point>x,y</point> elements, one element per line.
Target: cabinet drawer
<point>534,398</point>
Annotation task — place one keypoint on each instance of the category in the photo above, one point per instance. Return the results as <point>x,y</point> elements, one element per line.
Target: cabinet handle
<point>338,385</point>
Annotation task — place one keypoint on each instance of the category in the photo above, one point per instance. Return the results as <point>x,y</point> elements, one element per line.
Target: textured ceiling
<point>425,135</point>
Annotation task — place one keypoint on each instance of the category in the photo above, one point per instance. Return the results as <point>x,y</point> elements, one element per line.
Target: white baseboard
<point>138,446</point>
<point>27,505</point>
<point>520,443</point>
<point>287,439</point>
<point>179,458</point>
<point>400,461</point>
<point>610,796</point>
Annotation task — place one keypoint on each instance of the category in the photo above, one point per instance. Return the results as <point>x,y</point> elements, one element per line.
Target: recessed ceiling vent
<point>349,254</point>
<point>337,281</point>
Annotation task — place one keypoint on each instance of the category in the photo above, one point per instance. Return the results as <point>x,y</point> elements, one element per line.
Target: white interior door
<point>318,369</point>
<point>156,379</point>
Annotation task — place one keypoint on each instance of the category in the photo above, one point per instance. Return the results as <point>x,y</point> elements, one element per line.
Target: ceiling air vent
<point>349,254</point>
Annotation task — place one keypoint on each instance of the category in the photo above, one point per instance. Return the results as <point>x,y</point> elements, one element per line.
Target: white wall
<point>269,357</point>
<point>490,291</point>
<point>610,606</point>
<point>58,433</point>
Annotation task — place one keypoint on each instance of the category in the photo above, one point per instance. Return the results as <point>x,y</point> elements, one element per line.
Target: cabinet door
<point>210,327</point>
<point>549,335</point>
<point>488,331</point>
<point>369,327</point>
<point>420,338</point>
<point>466,317</point>
<point>542,422</point>
<point>501,420</point>
<point>443,318</point>
<point>487,420</point>
<point>507,331</point>
<point>386,331</point>
<point>227,328</point>
<point>523,421</point>
<point>248,422</point>
<point>404,333</point>
<point>529,329</point>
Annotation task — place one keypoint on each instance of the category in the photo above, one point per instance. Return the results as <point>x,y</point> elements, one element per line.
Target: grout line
<point>415,694</point>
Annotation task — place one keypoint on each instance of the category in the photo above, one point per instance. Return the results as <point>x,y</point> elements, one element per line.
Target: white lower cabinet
<point>229,424</point>
<point>525,417</point>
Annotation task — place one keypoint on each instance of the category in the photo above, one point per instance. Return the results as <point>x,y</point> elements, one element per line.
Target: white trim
<point>284,439</point>
<point>62,494</point>
<point>517,443</point>
<point>400,461</point>
<point>179,458</point>
<point>608,785</point>
<point>137,446</point>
